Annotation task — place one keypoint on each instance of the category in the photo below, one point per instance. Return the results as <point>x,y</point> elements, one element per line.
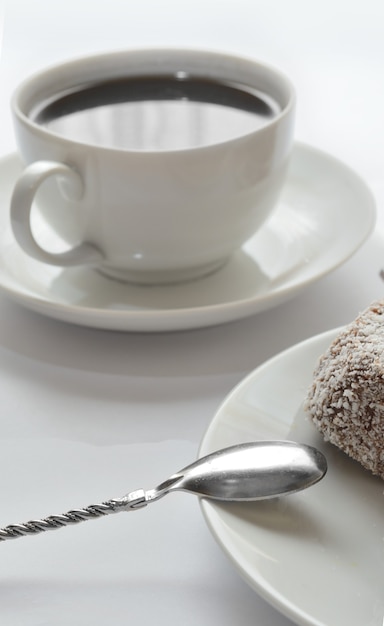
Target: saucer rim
<point>177,319</point>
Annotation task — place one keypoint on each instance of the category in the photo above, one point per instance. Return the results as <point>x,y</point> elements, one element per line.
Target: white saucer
<point>324,215</point>
<point>317,556</point>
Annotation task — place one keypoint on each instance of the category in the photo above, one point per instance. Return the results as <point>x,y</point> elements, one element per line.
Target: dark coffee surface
<point>156,112</point>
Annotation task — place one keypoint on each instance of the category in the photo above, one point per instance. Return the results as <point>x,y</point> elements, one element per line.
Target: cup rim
<point>22,94</point>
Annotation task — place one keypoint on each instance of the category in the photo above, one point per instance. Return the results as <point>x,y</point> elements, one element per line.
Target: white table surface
<point>170,385</point>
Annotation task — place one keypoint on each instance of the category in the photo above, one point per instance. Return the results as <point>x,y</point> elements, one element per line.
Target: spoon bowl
<point>248,472</point>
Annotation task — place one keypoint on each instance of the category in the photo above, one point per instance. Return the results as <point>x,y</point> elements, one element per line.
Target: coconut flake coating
<point>346,398</point>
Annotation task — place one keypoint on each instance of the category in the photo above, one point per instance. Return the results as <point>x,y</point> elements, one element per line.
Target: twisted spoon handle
<point>130,502</point>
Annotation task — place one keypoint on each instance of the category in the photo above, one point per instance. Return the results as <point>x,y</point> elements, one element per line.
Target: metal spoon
<point>245,472</point>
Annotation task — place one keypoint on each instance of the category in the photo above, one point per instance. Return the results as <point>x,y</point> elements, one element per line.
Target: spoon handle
<point>130,502</point>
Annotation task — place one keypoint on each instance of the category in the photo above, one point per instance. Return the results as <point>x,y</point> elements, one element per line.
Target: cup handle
<point>21,204</point>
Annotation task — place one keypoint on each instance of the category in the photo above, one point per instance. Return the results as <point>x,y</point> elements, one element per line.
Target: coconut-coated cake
<point>346,398</point>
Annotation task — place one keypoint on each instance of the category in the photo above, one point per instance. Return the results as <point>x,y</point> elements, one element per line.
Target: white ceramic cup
<point>154,216</point>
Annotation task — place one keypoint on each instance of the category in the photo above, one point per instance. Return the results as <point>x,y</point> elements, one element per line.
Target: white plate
<point>317,556</point>
<point>324,215</point>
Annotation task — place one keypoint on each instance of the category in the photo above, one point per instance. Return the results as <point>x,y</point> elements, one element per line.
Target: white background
<point>169,385</point>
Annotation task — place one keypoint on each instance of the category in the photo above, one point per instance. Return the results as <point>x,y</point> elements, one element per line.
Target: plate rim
<point>211,513</point>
